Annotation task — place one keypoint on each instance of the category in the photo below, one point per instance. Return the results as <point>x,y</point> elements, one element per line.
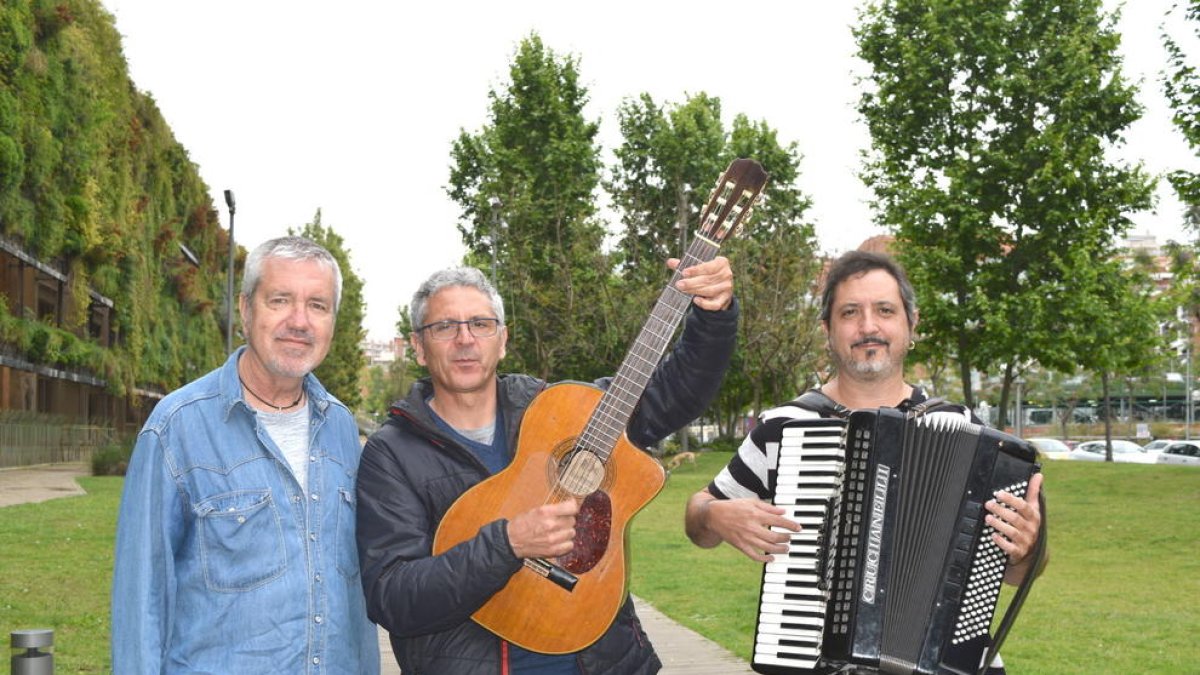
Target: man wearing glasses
<point>458,427</point>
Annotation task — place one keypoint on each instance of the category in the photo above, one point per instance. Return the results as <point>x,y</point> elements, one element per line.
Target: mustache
<point>871,340</point>
<point>296,334</point>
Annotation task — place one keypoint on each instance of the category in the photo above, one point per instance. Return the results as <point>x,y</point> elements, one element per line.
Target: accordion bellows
<point>895,570</point>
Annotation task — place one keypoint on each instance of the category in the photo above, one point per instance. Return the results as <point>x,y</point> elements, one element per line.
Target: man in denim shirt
<point>235,543</point>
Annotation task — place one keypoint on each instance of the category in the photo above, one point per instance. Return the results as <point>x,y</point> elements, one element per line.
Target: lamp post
<point>1019,421</point>
<point>229,201</point>
<point>683,210</point>
<point>495,203</point>
<point>1187,428</point>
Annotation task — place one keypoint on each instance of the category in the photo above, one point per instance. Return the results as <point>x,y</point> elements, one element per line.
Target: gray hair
<point>290,248</point>
<point>469,277</point>
<point>855,263</point>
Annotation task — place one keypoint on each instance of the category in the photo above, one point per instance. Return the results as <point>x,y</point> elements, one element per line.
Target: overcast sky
<point>351,107</point>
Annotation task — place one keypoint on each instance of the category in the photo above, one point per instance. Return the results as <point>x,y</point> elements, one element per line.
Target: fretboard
<point>616,406</point>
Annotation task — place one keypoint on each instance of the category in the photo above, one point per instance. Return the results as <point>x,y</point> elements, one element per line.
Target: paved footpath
<point>683,652</point>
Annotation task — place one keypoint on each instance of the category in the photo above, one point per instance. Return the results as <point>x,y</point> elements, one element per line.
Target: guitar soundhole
<point>593,525</point>
<point>582,474</point>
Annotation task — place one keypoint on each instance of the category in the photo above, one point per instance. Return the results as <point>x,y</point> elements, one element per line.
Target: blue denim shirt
<point>224,563</point>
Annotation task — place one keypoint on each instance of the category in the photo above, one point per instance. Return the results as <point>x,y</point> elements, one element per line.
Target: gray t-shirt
<point>289,430</point>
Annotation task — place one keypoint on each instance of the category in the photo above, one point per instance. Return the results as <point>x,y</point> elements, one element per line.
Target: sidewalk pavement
<point>683,651</point>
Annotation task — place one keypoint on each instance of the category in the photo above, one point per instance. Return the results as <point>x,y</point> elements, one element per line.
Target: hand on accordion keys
<point>1016,522</point>
<point>752,526</point>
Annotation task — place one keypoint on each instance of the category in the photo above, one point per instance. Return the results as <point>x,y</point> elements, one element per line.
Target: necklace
<point>278,408</point>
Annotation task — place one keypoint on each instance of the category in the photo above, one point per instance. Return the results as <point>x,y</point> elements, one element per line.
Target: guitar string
<point>575,475</point>
<point>701,249</point>
<point>621,393</point>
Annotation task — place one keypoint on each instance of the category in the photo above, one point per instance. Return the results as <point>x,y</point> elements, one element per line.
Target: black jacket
<point>411,473</point>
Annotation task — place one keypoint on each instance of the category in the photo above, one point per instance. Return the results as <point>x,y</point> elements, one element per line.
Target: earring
<point>912,344</point>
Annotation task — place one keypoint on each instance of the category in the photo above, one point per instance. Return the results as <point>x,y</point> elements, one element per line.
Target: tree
<point>989,122</point>
<point>342,368</point>
<point>1122,336</point>
<point>538,159</point>
<point>386,383</point>
<point>666,165</point>
<point>779,269</point>
<point>669,157</point>
<point>1181,84</point>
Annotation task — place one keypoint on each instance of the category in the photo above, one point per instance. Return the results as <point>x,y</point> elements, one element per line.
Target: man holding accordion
<point>869,316</point>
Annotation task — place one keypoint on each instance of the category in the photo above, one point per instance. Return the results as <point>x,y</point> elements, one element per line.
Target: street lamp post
<point>1187,428</point>
<point>683,210</point>
<point>229,201</point>
<point>1019,421</point>
<point>495,203</point>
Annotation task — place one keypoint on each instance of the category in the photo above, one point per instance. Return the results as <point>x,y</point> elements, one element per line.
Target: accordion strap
<point>817,401</point>
<point>1018,599</point>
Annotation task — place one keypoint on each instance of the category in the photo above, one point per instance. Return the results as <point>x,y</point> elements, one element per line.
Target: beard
<point>293,362</point>
<point>877,366</point>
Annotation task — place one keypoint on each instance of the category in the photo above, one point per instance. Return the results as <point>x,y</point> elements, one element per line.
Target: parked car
<point>1123,451</point>
<point>1156,446</point>
<point>1050,448</point>
<point>1180,452</point>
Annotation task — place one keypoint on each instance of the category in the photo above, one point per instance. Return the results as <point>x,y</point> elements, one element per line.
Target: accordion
<point>895,570</point>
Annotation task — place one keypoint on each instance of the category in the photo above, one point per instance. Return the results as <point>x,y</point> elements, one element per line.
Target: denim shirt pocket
<point>347,551</point>
<point>241,540</point>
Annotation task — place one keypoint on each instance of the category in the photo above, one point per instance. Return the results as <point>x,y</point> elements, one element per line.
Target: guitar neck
<point>616,407</point>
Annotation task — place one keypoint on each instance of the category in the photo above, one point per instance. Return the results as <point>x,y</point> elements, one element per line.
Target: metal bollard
<point>33,661</point>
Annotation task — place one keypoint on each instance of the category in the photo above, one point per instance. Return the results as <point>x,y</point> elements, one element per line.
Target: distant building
<point>383,352</point>
<point>38,289</point>
<point>50,412</point>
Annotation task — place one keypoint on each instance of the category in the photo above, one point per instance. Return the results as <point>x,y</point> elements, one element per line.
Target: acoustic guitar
<point>572,444</point>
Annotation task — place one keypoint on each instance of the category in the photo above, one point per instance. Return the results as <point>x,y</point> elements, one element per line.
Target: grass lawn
<point>56,559</point>
<point>1121,593</point>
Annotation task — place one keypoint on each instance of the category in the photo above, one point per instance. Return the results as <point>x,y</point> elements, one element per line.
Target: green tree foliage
<point>990,121</point>
<point>777,272</point>
<point>669,159</point>
<point>386,383</point>
<point>92,180</point>
<point>1181,84</point>
<point>1122,336</point>
<point>343,367</point>
<point>538,157</point>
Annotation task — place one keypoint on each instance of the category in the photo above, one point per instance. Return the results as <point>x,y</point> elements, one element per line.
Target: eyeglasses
<point>480,327</point>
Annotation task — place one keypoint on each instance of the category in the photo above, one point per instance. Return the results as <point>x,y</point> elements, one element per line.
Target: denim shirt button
<point>316,660</point>
<point>312,458</point>
<point>317,618</point>
<point>312,536</point>
<point>317,578</point>
<point>296,498</point>
<point>316,497</point>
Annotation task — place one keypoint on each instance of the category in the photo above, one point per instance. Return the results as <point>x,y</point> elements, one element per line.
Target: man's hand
<point>545,532</point>
<point>1017,522</point>
<point>710,282</point>
<point>744,524</point>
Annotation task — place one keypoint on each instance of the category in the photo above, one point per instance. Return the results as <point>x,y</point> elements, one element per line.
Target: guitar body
<point>531,611</point>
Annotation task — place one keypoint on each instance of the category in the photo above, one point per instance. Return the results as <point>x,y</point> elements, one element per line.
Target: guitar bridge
<point>549,570</point>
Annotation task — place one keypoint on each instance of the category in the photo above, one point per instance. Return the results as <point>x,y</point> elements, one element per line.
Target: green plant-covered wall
<point>92,178</point>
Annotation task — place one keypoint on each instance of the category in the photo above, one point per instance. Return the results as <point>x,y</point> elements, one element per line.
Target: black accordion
<point>895,570</point>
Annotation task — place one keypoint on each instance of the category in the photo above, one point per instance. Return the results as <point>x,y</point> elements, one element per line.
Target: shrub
<point>112,458</point>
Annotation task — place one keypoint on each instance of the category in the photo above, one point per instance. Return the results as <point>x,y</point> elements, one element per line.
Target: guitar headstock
<point>732,200</point>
